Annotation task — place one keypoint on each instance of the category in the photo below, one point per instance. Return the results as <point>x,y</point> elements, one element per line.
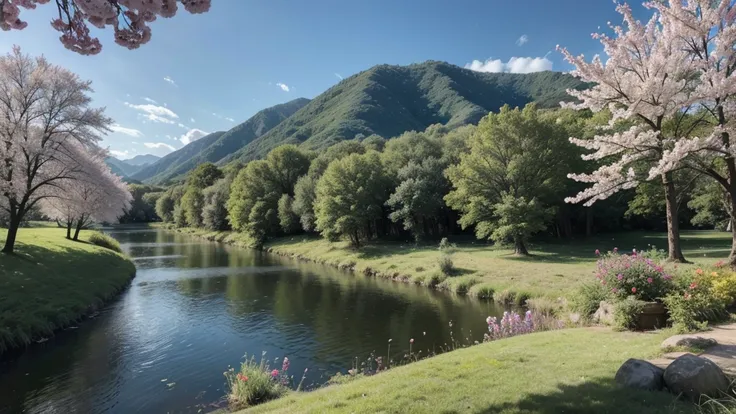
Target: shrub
<point>103,240</point>
<point>256,382</point>
<point>626,313</point>
<point>505,297</point>
<point>635,275</point>
<point>435,279</point>
<point>544,306</point>
<point>483,291</point>
<point>463,286</point>
<point>444,262</point>
<point>588,298</point>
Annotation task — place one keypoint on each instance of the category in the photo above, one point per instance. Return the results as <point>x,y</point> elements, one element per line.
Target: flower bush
<point>256,382</point>
<point>703,296</point>
<point>638,274</point>
<point>512,324</point>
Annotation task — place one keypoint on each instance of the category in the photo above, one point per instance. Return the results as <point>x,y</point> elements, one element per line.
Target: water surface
<point>196,307</point>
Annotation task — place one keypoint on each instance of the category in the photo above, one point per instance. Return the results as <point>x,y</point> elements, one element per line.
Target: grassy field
<point>552,271</point>
<point>565,371</point>
<point>51,282</point>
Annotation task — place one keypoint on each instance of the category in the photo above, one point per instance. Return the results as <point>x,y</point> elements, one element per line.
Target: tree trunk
<point>673,225</point>
<point>520,247</point>
<point>69,229</point>
<point>12,233</point>
<point>77,230</point>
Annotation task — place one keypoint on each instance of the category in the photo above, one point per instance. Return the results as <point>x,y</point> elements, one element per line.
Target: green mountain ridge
<point>388,100</point>
<point>218,145</point>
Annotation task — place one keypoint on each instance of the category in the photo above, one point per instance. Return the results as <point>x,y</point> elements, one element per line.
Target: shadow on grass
<point>597,395</point>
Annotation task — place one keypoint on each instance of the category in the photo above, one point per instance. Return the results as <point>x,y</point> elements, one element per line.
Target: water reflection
<point>195,307</point>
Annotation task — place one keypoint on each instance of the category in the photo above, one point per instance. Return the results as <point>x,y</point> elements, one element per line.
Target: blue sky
<point>211,71</point>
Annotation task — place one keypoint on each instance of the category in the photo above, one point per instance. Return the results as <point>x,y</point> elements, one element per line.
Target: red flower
<point>275,373</point>
<point>242,377</point>
<point>633,290</point>
<point>693,285</point>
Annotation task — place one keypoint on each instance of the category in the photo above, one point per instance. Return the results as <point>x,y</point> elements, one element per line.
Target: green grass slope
<point>565,371</point>
<point>51,282</point>
<point>389,100</point>
<point>215,147</point>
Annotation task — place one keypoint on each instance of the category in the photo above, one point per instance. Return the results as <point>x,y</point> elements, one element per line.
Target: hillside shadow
<point>598,395</point>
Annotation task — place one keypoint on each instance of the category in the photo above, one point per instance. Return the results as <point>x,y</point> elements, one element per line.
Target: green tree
<point>417,202</point>
<point>514,165</point>
<point>192,203</point>
<point>288,220</point>
<point>410,146</point>
<point>350,197</point>
<point>204,175</point>
<point>340,150</point>
<point>142,209</point>
<point>214,211</point>
<point>165,207</point>
<point>303,206</point>
<point>256,190</point>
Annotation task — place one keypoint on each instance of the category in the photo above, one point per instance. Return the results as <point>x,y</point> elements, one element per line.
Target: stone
<point>693,377</point>
<point>689,341</point>
<point>639,374</point>
<point>604,314</point>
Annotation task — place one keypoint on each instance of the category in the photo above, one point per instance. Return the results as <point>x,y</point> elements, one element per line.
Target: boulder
<point>689,341</point>
<point>639,374</point>
<point>693,377</point>
<point>604,314</point>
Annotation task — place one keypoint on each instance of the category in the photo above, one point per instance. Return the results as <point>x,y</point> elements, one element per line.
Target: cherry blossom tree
<point>706,31</point>
<point>45,124</point>
<point>646,80</point>
<point>91,194</point>
<point>129,19</point>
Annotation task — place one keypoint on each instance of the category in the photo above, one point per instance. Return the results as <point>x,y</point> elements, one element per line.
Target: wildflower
<point>411,341</point>
<point>699,271</point>
<point>425,334</point>
<point>488,320</point>
<point>650,280</point>
<point>693,285</point>
<point>714,274</point>
<point>615,249</point>
<point>614,290</point>
<point>687,296</point>
<point>597,252</point>
<point>633,290</point>
<point>285,364</point>
<point>389,341</point>
<point>620,276</point>
<point>275,373</point>
<point>450,324</point>
<point>242,377</point>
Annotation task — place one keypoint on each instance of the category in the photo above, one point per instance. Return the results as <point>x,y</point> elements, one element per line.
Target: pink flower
<point>411,341</point>
<point>597,252</point>
<point>275,373</point>
<point>615,249</point>
<point>614,290</point>
<point>242,377</point>
<point>693,285</point>
<point>620,276</point>
<point>633,290</point>
<point>650,280</point>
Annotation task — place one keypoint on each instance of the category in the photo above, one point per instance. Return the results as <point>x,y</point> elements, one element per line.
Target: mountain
<point>216,146</point>
<point>389,100</point>
<point>140,160</point>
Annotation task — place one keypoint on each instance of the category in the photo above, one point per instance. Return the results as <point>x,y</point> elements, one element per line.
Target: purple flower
<point>597,252</point>
<point>620,276</point>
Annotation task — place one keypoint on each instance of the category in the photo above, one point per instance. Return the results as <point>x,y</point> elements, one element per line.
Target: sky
<point>209,72</point>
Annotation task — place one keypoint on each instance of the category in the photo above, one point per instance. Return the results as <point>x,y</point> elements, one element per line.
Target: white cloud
<point>157,145</point>
<point>514,65</point>
<point>155,113</point>
<point>171,81</point>
<point>229,119</point>
<point>283,87</point>
<point>149,100</point>
<point>120,154</point>
<point>127,131</point>
<point>182,126</point>
<point>192,120</point>
<point>192,135</point>
<point>339,76</point>
<point>522,40</point>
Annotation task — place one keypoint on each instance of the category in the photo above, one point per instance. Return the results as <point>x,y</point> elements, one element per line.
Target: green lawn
<point>552,271</point>
<point>565,371</point>
<point>50,282</point>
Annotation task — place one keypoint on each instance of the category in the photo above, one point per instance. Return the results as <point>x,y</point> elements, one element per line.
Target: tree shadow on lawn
<point>597,395</point>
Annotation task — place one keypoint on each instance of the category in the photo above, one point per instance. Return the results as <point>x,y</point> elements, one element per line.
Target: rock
<point>689,341</point>
<point>693,377</point>
<point>639,374</point>
<point>604,314</point>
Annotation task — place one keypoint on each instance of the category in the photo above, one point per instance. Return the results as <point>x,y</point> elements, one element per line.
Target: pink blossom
<point>597,252</point>
<point>633,290</point>
<point>275,373</point>
<point>620,276</point>
<point>650,280</point>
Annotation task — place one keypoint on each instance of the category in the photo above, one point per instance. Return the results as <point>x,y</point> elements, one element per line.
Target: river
<point>196,307</point>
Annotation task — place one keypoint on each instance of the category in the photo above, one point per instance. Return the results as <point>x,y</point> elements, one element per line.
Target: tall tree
<point>644,81</point>
<point>45,116</point>
<point>128,18</point>
<point>515,166</point>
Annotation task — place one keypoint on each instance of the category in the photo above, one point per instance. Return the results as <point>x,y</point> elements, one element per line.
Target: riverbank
<point>509,376</point>
<point>552,271</point>
<point>50,283</point>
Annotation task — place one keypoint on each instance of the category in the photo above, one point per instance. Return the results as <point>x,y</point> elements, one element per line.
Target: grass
<point>554,269</point>
<point>51,282</point>
<point>507,376</point>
